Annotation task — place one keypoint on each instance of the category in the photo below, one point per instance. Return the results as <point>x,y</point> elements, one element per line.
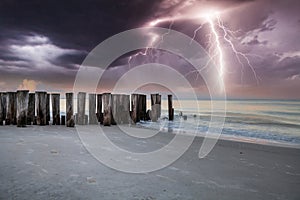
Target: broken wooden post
<point>99,108</point>
<point>170,108</point>
<point>69,110</point>
<point>31,108</point>
<point>47,109</point>
<point>55,98</point>
<point>135,108</point>
<point>11,111</point>
<point>121,108</point>
<point>92,109</point>
<point>22,107</point>
<point>2,107</point>
<point>142,107</point>
<point>106,102</point>
<point>41,109</point>
<point>80,108</point>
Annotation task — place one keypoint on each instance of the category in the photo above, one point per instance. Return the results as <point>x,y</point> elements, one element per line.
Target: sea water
<point>271,121</point>
<point>252,120</point>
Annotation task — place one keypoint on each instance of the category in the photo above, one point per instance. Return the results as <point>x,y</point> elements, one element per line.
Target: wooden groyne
<point>22,108</point>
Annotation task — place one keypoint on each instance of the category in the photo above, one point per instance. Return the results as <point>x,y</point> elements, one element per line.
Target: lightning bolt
<point>153,39</point>
<point>237,53</point>
<point>221,61</point>
<point>216,46</point>
<point>154,43</point>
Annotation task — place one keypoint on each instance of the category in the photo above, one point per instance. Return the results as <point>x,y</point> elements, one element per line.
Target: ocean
<point>257,121</point>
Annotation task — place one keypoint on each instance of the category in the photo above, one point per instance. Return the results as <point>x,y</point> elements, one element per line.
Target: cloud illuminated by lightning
<point>217,36</point>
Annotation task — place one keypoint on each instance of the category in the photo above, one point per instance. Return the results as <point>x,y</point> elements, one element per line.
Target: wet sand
<point>51,163</point>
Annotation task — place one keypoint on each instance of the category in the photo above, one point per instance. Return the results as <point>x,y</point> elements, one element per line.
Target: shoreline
<point>234,138</point>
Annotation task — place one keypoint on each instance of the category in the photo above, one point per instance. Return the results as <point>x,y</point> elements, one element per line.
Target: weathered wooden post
<point>158,101</point>
<point>47,109</point>
<point>11,111</point>
<point>106,102</point>
<point>99,108</point>
<point>55,98</point>
<point>2,106</point>
<point>86,119</point>
<point>170,108</point>
<point>31,108</point>
<point>125,109</point>
<point>92,109</point>
<point>80,108</point>
<point>121,108</point>
<point>22,107</point>
<point>142,106</point>
<point>41,109</point>
<point>135,108</point>
<point>69,110</point>
<point>154,107</point>
<point>115,108</point>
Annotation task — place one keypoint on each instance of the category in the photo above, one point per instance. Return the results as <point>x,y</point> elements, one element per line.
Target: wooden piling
<point>86,120</point>
<point>2,107</point>
<point>31,108</point>
<point>47,109</point>
<point>55,99</point>
<point>158,102</point>
<point>41,109</point>
<point>80,107</point>
<point>22,107</point>
<point>170,108</point>
<point>106,102</point>
<point>142,106</point>
<point>114,108</point>
<point>4,101</point>
<point>11,111</point>
<point>155,107</point>
<point>125,109</point>
<point>99,108</point>
<point>69,110</point>
<point>92,109</point>
<point>121,108</point>
<point>135,108</point>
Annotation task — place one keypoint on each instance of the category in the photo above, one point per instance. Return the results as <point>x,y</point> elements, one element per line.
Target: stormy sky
<point>43,43</point>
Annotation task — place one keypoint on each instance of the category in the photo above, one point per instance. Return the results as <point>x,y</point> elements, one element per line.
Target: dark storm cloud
<point>70,30</point>
<point>76,23</point>
<point>48,40</point>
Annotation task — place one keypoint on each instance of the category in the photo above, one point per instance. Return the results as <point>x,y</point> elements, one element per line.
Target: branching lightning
<point>154,42</point>
<point>219,49</point>
<point>154,38</point>
<point>218,35</point>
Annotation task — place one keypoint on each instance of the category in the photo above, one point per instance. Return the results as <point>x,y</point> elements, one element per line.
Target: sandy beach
<point>51,163</point>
